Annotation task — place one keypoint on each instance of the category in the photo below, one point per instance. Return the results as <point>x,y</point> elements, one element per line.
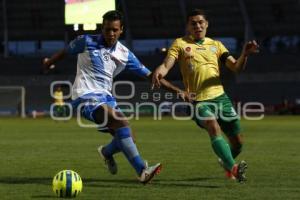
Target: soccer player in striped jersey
<point>200,58</point>
<point>99,59</point>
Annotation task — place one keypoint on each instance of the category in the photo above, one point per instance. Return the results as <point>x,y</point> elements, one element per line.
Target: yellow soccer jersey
<point>58,98</point>
<point>199,65</point>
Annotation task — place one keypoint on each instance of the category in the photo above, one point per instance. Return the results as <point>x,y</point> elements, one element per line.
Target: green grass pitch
<point>32,151</point>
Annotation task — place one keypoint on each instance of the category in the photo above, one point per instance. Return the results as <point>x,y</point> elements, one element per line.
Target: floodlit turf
<point>33,151</point>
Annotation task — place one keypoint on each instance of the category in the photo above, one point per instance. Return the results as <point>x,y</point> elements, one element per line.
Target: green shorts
<point>221,109</point>
<point>60,110</point>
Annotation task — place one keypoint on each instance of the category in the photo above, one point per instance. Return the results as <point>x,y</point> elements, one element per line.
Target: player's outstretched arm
<point>172,88</point>
<point>48,63</point>
<point>239,64</point>
<point>161,71</point>
<point>158,80</point>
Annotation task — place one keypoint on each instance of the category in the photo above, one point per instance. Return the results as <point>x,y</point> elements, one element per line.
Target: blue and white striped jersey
<point>97,65</point>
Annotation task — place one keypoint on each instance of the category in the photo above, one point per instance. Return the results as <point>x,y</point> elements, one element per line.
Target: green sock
<point>222,149</point>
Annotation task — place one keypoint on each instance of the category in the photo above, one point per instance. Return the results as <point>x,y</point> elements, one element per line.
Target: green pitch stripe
<point>69,184</point>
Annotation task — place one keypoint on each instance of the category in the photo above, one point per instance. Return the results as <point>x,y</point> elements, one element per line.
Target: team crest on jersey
<point>213,49</point>
<point>105,56</point>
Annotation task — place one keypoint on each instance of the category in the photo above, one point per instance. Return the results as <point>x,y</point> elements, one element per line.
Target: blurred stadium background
<point>32,29</point>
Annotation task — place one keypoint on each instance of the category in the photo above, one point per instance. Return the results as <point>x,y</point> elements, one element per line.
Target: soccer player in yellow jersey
<point>59,109</point>
<point>200,59</point>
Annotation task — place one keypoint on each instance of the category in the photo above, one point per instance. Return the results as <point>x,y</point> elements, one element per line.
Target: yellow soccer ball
<point>67,183</point>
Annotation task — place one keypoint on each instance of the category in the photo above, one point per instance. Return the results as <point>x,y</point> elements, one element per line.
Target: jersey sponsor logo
<point>122,49</point>
<point>116,60</point>
<point>200,48</point>
<point>188,57</point>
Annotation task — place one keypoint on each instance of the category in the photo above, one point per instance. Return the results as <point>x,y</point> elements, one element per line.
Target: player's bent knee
<point>99,116</point>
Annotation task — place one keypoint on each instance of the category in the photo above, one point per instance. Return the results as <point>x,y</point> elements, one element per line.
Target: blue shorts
<point>90,102</point>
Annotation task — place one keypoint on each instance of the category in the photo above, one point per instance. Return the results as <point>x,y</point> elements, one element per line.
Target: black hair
<point>113,15</point>
<point>196,12</point>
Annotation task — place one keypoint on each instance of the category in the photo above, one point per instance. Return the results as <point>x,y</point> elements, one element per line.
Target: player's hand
<point>156,79</point>
<point>250,48</point>
<point>185,96</point>
<point>47,66</point>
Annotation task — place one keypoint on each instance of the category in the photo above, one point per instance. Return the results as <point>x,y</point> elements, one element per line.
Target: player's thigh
<point>112,118</point>
<point>205,117</point>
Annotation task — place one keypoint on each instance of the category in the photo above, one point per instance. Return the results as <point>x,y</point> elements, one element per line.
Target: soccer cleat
<point>228,173</point>
<point>239,171</point>
<point>109,162</point>
<point>146,163</point>
<point>149,172</point>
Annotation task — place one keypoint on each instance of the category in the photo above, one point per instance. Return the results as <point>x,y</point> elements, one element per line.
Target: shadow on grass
<point>26,180</point>
<point>48,181</point>
<point>43,196</point>
<point>188,183</point>
<point>199,182</point>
